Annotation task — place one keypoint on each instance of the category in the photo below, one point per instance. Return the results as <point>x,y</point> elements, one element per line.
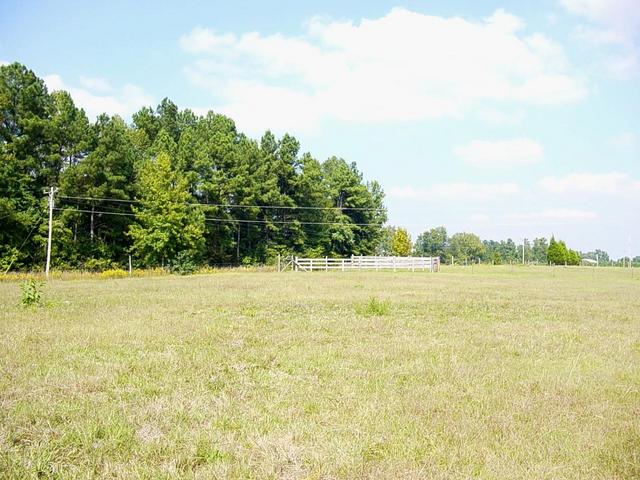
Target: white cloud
<point>597,36</point>
<point>618,27</point>
<point>458,190</point>
<point>553,215</point>
<point>519,151</point>
<point>122,101</point>
<point>501,117</point>
<point>202,40</point>
<point>614,184</point>
<point>619,15</point>
<point>96,84</point>
<point>403,66</point>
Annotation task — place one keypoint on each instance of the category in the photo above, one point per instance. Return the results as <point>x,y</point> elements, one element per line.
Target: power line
<point>226,205</point>
<point>230,220</point>
<point>102,212</point>
<point>406,225</point>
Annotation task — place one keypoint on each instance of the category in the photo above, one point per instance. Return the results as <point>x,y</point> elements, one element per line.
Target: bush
<point>374,308</point>
<point>114,273</point>
<point>31,293</point>
<point>573,257</point>
<point>183,264</point>
<point>99,264</point>
<point>8,258</point>
<point>559,254</point>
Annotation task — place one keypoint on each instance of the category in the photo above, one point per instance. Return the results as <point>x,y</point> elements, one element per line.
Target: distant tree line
<point>466,247</point>
<point>171,186</point>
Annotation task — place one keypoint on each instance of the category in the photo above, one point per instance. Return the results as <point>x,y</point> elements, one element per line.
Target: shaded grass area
<point>499,373</point>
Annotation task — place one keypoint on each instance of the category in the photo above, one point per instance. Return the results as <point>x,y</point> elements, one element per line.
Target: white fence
<point>431,264</point>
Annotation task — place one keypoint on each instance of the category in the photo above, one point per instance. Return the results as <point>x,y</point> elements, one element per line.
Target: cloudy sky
<point>508,119</point>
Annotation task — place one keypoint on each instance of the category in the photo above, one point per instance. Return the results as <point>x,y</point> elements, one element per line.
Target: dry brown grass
<point>499,373</point>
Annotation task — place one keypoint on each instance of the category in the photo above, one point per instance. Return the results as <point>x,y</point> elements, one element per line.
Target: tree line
<point>171,186</point>
<point>467,247</point>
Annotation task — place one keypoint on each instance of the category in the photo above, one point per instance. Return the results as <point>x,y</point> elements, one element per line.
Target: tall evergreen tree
<point>27,162</point>
<point>103,182</point>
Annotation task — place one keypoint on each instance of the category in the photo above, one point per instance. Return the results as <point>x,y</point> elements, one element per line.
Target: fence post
<point>343,264</point>
<point>130,266</point>
<point>326,264</point>
<point>394,263</point>
<point>413,265</point>
<point>296,264</point>
<point>278,263</point>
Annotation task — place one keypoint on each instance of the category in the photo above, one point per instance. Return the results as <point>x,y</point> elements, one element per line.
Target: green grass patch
<point>374,307</point>
<point>487,373</point>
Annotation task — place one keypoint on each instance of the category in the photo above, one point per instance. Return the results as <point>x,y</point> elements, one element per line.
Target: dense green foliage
<point>432,243</point>
<point>559,254</point>
<point>401,243</point>
<point>466,247</point>
<point>171,183</point>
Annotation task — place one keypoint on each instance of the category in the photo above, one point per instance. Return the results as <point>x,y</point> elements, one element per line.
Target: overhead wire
<point>229,220</point>
<point>226,205</point>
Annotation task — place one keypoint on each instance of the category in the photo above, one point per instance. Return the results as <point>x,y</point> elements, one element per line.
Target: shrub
<point>31,293</point>
<point>114,273</point>
<point>183,264</point>
<point>374,308</point>
<point>8,257</point>
<point>559,254</point>
<point>99,264</point>
<point>573,257</point>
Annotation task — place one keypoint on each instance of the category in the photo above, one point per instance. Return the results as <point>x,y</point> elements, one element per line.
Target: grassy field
<point>497,373</point>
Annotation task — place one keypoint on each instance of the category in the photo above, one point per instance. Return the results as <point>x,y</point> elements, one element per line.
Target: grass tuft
<point>374,308</point>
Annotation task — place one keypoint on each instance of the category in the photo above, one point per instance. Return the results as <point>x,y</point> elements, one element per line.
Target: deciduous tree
<point>401,244</point>
<point>166,222</point>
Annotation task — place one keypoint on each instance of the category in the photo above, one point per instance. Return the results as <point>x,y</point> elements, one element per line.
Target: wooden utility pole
<point>51,193</point>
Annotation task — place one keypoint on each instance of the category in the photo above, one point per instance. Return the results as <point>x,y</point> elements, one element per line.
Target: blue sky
<point>516,119</point>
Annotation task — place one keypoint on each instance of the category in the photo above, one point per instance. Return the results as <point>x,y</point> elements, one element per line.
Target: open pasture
<point>497,373</point>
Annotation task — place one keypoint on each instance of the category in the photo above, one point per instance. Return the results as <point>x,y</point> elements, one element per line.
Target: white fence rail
<point>431,264</point>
